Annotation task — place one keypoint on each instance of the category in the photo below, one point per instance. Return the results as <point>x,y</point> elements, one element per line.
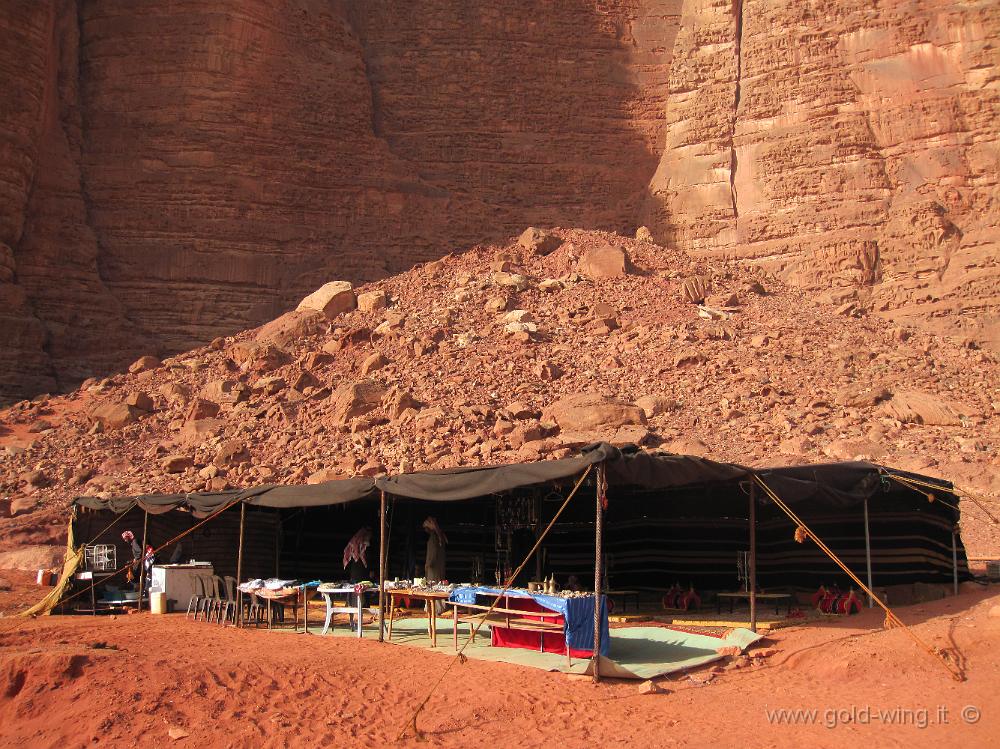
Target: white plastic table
<point>356,610</point>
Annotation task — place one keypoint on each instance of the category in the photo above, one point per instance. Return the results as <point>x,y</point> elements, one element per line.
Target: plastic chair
<point>211,594</point>
<point>217,601</point>
<point>228,605</point>
<point>194,603</point>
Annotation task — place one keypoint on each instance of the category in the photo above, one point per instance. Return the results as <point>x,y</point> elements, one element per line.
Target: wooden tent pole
<point>753,558</point>
<point>142,558</point>
<point>868,553</point>
<point>598,559</point>
<point>239,567</point>
<point>381,569</point>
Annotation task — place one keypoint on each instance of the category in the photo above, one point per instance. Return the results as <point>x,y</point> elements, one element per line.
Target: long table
<point>532,612</point>
<point>429,596</point>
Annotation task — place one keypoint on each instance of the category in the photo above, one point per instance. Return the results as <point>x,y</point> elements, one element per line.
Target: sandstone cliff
<point>174,170</point>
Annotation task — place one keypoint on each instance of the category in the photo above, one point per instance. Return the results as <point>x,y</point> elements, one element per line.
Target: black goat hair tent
<point>670,519</point>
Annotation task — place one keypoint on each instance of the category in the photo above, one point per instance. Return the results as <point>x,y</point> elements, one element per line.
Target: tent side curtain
<point>651,470</point>
<point>453,484</point>
<point>204,504</point>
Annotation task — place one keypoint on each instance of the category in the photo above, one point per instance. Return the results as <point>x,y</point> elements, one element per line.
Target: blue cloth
<point>578,613</point>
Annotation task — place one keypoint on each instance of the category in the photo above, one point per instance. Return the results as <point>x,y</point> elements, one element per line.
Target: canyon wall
<point>851,147</point>
<point>173,170</point>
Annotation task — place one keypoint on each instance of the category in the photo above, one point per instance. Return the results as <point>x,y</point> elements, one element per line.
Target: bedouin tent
<point>669,519</point>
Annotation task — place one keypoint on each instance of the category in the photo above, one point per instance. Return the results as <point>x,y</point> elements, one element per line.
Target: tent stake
<point>868,554</point>
<point>381,569</point>
<point>239,569</point>
<point>598,559</point>
<point>142,558</point>
<point>954,559</point>
<point>753,558</point>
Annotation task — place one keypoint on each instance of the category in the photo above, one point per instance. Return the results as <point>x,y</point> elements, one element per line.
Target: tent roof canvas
<point>836,485</point>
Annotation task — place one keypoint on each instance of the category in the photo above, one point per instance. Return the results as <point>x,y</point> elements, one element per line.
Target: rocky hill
<point>521,351</point>
<point>175,171</point>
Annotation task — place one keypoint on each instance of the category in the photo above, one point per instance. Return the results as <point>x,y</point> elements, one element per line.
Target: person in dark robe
<point>435,557</point>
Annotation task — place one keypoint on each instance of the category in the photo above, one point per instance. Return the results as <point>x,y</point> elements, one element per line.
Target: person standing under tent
<point>435,556</point>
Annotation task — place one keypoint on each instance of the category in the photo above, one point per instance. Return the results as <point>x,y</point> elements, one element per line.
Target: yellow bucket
<point>158,602</point>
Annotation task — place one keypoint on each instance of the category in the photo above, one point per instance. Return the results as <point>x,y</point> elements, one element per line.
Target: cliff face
<point>850,147</point>
<point>173,170</point>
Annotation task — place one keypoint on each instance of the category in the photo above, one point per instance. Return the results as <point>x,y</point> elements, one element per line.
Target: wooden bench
<point>476,615</point>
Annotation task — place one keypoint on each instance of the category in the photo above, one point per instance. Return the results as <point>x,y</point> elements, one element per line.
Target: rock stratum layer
<point>175,170</point>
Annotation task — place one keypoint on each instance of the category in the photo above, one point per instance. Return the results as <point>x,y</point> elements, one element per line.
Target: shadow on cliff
<point>509,117</point>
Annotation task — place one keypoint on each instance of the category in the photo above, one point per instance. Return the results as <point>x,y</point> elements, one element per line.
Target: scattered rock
<point>22,506</point>
<point>231,452</point>
<point>861,395</point>
<point>374,362</point>
<point>546,371</point>
<point>643,234</point>
<point>325,474</point>
<point>688,446</point>
<point>651,687</point>
<point>356,399</point>
<point>695,289</point>
<point>654,405</point>
<point>176,463</point>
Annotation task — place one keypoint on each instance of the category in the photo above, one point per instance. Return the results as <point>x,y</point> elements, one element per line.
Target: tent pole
<point>381,569</point>
<point>239,568</point>
<point>954,560</point>
<point>598,559</point>
<point>868,553</point>
<point>753,558</point>
<point>142,558</point>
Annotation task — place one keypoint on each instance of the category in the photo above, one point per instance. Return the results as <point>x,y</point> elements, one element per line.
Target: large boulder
<point>332,299</point>
<point>538,241</point>
<point>923,408</point>
<point>140,400</point>
<point>291,326</point>
<point>356,399</point>
<point>145,364</point>
<point>231,452</point>
<point>115,415</point>
<point>372,301</point>
<point>33,557</point>
<point>588,411</point>
<point>605,261</point>
<point>201,408</point>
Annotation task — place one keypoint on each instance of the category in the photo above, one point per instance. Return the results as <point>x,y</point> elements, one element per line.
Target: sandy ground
<point>129,680</point>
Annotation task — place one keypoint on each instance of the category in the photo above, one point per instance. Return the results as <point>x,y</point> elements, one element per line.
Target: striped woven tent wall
<point>217,541</point>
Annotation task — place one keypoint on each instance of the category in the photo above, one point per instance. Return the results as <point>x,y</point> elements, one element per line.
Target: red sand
<point>226,687</point>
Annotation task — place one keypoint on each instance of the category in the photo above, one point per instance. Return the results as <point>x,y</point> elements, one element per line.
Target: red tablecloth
<point>554,642</point>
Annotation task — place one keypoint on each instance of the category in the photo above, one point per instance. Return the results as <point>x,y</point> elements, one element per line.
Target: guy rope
<point>802,531</point>
<point>159,548</point>
<point>460,655</point>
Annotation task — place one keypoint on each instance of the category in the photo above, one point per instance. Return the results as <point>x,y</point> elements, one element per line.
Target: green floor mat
<point>636,652</point>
